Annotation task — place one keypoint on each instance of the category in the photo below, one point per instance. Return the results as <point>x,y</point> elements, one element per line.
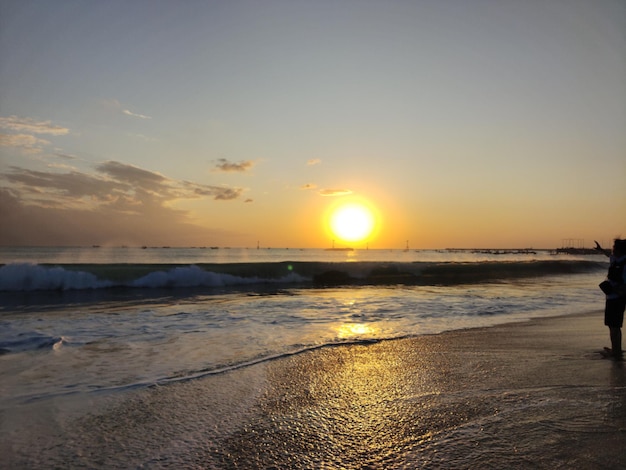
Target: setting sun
<point>352,222</point>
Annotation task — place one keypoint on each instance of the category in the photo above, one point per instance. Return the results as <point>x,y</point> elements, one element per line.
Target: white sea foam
<point>32,277</point>
<point>26,277</point>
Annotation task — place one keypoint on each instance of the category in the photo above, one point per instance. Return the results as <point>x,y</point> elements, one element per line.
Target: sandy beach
<point>527,395</point>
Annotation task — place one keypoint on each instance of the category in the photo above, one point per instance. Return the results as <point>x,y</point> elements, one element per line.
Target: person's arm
<point>602,250</point>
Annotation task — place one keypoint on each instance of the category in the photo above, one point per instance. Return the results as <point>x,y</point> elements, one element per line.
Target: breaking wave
<point>20,277</point>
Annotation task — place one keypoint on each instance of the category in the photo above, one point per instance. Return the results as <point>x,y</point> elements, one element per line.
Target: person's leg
<point>616,340</point>
<point>614,318</point>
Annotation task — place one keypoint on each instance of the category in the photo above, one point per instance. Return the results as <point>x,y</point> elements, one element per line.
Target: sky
<point>462,123</point>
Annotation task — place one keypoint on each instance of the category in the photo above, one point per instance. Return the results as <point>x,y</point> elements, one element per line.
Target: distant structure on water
<point>521,251</point>
<point>574,246</point>
<point>332,248</point>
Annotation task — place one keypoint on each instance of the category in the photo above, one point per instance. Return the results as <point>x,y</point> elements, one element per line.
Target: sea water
<point>106,320</point>
<point>164,357</point>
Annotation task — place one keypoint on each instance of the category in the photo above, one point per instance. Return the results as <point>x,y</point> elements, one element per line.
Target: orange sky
<point>465,124</point>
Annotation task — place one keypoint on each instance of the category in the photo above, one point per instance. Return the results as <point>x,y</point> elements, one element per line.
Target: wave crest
<point>18,277</point>
<point>26,277</point>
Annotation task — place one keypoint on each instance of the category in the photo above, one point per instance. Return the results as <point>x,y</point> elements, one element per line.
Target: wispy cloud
<point>116,201</point>
<point>308,186</point>
<point>115,106</point>
<point>31,126</point>
<point>229,167</point>
<point>118,185</point>
<point>63,187</point>
<point>66,156</point>
<point>23,139</point>
<point>133,175</point>
<point>218,193</point>
<point>61,166</point>
<point>335,192</point>
<point>24,142</point>
<point>314,161</point>
<point>130,113</point>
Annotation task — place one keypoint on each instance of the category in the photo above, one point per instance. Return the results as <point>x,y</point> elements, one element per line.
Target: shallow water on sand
<point>99,344</point>
<point>431,402</point>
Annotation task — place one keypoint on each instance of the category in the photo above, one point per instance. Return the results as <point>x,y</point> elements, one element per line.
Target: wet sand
<point>526,395</point>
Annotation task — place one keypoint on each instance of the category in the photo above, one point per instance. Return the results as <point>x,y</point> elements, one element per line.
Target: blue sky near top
<point>466,123</point>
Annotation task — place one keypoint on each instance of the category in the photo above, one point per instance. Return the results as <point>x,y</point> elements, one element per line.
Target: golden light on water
<point>355,330</point>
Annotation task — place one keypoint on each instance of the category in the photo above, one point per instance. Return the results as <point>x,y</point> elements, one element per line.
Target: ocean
<point>85,323</point>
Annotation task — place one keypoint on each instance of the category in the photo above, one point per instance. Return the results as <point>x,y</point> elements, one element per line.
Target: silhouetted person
<point>615,289</point>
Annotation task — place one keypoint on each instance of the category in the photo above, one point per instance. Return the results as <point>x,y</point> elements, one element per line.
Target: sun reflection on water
<point>356,330</point>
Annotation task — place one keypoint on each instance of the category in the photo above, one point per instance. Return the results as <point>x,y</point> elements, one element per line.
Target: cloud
<point>140,116</point>
<point>66,156</point>
<point>69,187</point>
<point>218,193</point>
<point>23,139</point>
<point>335,192</point>
<point>31,126</point>
<point>248,200</point>
<point>61,166</point>
<point>116,201</point>
<point>308,186</point>
<point>24,142</point>
<point>226,166</point>
<point>314,161</point>
<point>115,106</point>
<point>133,175</point>
<point>115,184</point>
<point>38,225</point>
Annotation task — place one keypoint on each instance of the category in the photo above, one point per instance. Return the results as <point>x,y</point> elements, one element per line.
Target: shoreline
<point>532,393</point>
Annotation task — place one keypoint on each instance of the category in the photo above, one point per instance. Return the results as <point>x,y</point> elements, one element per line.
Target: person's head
<point>619,247</point>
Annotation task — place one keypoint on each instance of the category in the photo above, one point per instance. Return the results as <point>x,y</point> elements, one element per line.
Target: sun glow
<point>352,330</point>
<point>352,222</point>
